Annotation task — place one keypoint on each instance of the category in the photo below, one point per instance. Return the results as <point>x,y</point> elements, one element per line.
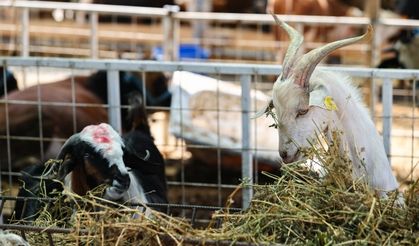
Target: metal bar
<point>73,101</point>
<point>94,43</point>
<point>198,67</point>
<point>397,22</point>
<point>371,9</point>
<point>114,100</point>
<point>373,99</point>
<point>219,136</point>
<point>414,105</point>
<point>225,17</point>
<point>100,8</point>
<point>170,34</point>
<point>247,169</point>
<point>176,40</point>
<point>43,103</point>
<point>38,228</point>
<point>387,99</point>
<point>375,46</point>
<point>40,118</point>
<point>193,217</point>
<point>24,25</point>
<point>167,38</point>
<point>7,140</point>
<point>50,240</point>
<point>267,19</point>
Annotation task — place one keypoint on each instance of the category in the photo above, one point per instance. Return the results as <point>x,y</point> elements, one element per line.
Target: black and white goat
<point>132,167</point>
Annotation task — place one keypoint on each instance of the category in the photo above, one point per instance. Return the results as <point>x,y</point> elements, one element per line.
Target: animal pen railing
<point>197,216</point>
<point>168,31</point>
<point>247,77</point>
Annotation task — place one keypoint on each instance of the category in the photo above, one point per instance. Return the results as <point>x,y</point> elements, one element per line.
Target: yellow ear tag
<point>330,104</point>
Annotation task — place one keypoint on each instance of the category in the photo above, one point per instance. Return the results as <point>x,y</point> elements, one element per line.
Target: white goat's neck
<point>359,135</point>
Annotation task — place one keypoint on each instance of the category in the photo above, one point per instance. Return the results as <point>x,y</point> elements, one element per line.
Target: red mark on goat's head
<point>106,141</point>
<point>99,135</point>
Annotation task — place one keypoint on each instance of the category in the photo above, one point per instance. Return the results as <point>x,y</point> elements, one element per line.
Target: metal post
<point>199,26</point>
<point>387,99</point>
<point>171,34</point>
<point>114,100</point>
<point>373,98</point>
<point>247,169</point>
<point>25,32</point>
<point>24,40</point>
<point>372,8</point>
<point>94,35</point>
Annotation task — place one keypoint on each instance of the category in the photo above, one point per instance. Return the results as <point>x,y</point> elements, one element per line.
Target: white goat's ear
<point>320,97</point>
<point>263,110</point>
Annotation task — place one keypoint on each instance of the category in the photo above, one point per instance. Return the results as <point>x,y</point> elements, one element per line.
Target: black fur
<point>150,173</point>
<point>9,84</point>
<point>32,180</point>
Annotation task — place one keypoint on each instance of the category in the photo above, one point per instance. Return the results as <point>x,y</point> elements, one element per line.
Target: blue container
<point>186,52</point>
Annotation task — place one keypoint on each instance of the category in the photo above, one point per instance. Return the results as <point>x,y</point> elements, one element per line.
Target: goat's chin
<point>114,194</point>
<point>292,158</point>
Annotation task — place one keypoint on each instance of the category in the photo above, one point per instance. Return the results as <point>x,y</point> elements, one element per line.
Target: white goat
<point>308,100</point>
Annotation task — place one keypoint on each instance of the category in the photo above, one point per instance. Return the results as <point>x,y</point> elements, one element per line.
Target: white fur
<point>11,239</point>
<point>360,138</point>
<point>135,192</point>
<point>111,150</point>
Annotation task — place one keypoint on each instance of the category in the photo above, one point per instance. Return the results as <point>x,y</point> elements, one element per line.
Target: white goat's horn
<point>296,39</point>
<point>305,66</point>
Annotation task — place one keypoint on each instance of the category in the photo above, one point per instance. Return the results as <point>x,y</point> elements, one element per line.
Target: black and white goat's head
<point>93,157</point>
<point>299,99</point>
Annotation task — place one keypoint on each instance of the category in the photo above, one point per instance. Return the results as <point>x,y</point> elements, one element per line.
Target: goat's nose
<point>123,180</point>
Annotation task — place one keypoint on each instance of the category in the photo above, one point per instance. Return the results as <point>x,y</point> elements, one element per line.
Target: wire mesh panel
<point>88,30</point>
<point>112,31</point>
<point>176,32</point>
<point>202,135</point>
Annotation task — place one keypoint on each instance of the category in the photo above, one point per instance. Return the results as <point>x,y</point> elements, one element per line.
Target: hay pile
<point>298,208</point>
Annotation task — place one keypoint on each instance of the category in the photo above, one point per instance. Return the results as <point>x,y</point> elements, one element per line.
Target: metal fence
<point>169,31</point>
<point>246,77</point>
<point>197,216</point>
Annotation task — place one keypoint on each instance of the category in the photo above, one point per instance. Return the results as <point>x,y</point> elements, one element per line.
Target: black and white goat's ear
<point>269,106</point>
<point>66,167</point>
<point>140,161</point>
<point>65,155</point>
<point>69,146</point>
<point>130,151</point>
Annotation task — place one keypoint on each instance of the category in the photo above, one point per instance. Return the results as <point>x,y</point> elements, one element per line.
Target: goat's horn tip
<point>368,34</point>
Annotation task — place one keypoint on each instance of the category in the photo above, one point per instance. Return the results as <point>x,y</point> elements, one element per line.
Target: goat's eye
<point>302,112</point>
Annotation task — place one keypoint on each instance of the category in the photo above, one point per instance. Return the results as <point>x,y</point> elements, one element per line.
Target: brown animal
<point>35,121</point>
<point>314,7</point>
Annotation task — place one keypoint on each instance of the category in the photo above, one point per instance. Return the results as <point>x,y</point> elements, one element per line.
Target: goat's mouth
<point>292,158</point>
<point>117,189</point>
<point>114,193</point>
